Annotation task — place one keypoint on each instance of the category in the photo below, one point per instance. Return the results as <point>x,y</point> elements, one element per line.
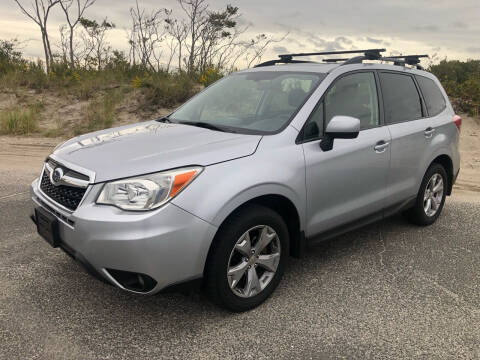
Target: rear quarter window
<point>434,99</point>
<point>401,99</point>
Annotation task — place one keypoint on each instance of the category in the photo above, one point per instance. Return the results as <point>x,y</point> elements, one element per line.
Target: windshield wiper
<point>164,119</point>
<point>206,126</point>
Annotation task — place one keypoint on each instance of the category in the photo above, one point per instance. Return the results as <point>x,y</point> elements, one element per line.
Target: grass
<point>103,89</point>
<point>100,113</point>
<point>20,120</point>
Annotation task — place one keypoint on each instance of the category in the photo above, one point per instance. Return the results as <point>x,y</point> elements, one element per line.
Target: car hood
<point>152,146</point>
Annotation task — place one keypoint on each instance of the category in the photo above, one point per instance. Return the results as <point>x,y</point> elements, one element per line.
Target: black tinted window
<point>314,126</point>
<point>434,99</point>
<point>400,97</point>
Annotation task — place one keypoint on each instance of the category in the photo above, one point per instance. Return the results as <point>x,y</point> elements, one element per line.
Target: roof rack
<point>413,60</point>
<point>369,54</point>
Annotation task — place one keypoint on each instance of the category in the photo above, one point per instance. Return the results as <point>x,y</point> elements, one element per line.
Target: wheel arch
<point>282,205</point>
<point>447,163</point>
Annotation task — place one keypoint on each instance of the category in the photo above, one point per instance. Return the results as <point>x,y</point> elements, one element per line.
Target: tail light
<point>458,121</point>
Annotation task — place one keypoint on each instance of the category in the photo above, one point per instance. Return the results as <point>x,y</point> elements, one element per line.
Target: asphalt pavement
<point>389,290</point>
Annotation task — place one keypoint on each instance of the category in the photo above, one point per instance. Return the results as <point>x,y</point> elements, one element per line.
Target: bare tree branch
<point>39,12</point>
<point>74,10</point>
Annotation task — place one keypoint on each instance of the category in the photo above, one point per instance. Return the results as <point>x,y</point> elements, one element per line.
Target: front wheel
<point>431,197</point>
<point>247,259</point>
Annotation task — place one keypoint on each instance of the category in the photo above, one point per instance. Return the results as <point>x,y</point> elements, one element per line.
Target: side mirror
<point>340,127</point>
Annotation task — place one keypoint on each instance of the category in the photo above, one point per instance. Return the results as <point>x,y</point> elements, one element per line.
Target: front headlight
<point>147,192</point>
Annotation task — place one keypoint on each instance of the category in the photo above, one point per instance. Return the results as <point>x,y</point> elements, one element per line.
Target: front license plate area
<point>47,226</point>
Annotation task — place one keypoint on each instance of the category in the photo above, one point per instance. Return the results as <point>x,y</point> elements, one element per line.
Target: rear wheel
<point>431,197</point>
<point>248,258</point>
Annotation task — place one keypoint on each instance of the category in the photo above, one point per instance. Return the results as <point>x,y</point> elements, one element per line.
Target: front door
<point>348,182</point>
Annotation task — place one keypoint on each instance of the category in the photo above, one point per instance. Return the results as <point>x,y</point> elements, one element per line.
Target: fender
<point>255,192</point>
<point>444,150</point>
<point>223,187</point>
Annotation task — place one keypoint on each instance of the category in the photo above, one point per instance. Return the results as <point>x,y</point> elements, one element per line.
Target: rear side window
<point>400,97</point>
<point>434,99</point>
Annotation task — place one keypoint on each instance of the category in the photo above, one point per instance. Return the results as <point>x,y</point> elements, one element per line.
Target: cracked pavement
<point>388,290</point>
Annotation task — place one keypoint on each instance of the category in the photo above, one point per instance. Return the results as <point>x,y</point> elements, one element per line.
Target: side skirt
<point>369,219</point>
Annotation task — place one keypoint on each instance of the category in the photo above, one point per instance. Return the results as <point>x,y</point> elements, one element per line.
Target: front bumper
<point>169,244</point>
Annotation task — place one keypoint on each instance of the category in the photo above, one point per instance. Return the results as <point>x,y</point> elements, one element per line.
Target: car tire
<point>228,254</point>
<point>422,213</point>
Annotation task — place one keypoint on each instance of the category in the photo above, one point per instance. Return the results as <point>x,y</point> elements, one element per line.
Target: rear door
<point>410,131</point>
<point>348,182</point>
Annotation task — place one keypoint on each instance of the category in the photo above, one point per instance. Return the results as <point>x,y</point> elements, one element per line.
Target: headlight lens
<point>147,192</point>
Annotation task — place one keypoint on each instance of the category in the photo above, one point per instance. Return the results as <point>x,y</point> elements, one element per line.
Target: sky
<point>440,28</point>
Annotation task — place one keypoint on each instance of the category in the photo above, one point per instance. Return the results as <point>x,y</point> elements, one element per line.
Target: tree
<point>96,46</point>
<point>73,10</point>
<point>9,51</point>
<point>146,36</point>
<point>178,31</point>
<point>39,12</point>
<point>197,17</point>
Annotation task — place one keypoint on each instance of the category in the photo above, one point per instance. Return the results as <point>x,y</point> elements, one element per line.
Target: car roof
<point>327,68</point>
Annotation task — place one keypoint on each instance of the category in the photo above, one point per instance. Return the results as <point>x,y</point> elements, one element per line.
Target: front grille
<point>67,196</point>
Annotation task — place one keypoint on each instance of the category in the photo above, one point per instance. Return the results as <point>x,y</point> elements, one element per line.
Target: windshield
<point>253,102</point>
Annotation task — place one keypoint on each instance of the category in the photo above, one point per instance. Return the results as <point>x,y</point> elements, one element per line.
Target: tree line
<point>192,40</point>
<point>461,80</point>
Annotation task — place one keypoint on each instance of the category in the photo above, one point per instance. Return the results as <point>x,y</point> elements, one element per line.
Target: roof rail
<point>281,61</point>
<point>334,60</point>
<point>371,54</point>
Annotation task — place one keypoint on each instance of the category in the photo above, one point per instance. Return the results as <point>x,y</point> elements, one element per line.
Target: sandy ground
<point>27,153</point>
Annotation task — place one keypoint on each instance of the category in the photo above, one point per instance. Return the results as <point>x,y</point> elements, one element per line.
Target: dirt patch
<point>25,153</point>
<point>7,100</point>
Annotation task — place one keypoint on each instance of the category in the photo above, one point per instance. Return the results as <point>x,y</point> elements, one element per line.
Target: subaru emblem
<point>56,176</point>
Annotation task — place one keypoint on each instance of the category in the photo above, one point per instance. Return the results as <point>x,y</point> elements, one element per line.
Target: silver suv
<point>248,172</point>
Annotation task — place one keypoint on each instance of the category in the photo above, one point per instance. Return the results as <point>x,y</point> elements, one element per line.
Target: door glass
<point>400,97</point>
<point>354,95</point>
<point>434,99</point>
<point>313,127</point>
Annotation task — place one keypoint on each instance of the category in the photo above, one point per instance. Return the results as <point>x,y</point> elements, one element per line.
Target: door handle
<point>381,146</point>
<point>429,132</point>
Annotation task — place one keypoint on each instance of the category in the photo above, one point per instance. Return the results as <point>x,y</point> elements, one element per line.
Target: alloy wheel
<point>433,195</point>
<point>253,261</point>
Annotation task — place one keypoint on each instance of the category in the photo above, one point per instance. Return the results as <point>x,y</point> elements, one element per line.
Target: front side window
<point>255,102</point>
<point>400,98</point>
<point>434,100</point>
<point>352,95</point>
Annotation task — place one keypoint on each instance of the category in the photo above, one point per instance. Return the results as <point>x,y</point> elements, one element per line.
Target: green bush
<point>461,80</point>
<point>19,120</point>
<point>100,113</point>
<point>166,90</point>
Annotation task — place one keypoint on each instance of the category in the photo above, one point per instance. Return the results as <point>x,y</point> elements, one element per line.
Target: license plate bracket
<point>47,226</point>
